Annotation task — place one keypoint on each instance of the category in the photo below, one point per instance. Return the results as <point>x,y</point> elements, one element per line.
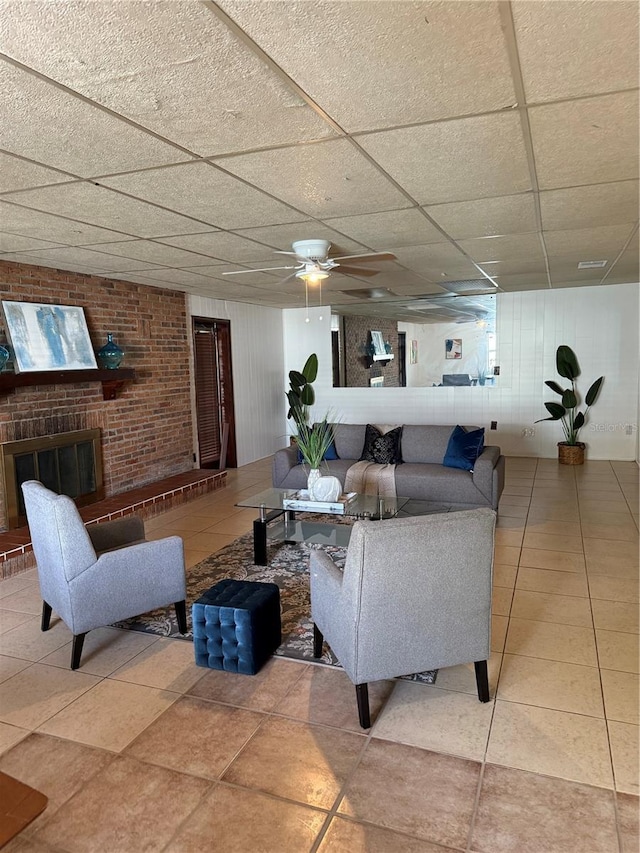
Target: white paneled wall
<point>257,361</point>
<point>600,323</point>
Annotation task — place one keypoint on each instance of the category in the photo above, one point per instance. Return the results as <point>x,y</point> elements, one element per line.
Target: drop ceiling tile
<point>372,65</point>
<point>380,231</point>
<point>626,279</point>
<point>564,269</point>
<point>155,253</point>
<point>17,174</point>
<point>173,67</point>
<point>588,243</point>
<point>141,278</point>
<point>393,277</point>
<point>15,243</point>
<point>457,160</point>
<point>515,266</point>
<point>601,54</point>
<point>485,217</point>
<point>514,283</point>
<point>224,246</point>
<point>33,223</point>
<point>248,279</point>
<point>585,142</point>
<point>100,206</point>
<point>75,135</point>
<point>282,236</point>
<point>37,261</point>
<point>583,207</point>
<point>204,192</point>
<point>437,262</point>
<point>95,260</point>
<point>181,277</point>
<point>524,247</point>
<point>324,180</point>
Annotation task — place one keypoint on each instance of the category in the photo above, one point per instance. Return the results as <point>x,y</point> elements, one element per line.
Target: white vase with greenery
<point>313,442</point>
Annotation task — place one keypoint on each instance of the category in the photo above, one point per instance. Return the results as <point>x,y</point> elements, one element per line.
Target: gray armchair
<point>100,574</point>
<point>415,594</point>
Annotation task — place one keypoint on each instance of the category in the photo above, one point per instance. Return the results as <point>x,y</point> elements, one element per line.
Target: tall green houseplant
<point>571,451</point>
<point>301,394</point>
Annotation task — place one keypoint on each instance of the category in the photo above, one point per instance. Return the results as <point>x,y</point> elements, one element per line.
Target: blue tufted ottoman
<point>236,625</point>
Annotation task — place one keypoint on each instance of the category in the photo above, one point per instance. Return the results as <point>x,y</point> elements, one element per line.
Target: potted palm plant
<point>301,394</point>
<point>570,451</point>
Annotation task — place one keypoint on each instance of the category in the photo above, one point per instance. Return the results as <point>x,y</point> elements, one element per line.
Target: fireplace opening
<point>67,463</point>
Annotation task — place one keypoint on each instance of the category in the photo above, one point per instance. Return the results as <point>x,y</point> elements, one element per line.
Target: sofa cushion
<point>383,449</point>
<point>434,482</point>
<point>349,439</point>
<point>424,442</point>
<point>463,448</point>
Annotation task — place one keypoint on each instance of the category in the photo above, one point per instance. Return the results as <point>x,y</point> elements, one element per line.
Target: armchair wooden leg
<point>181,616</point>
<point>362,695</point>
<point>318,639</point>
<point>76,649</point>
<point>46,616</point>
<point>482,680</point>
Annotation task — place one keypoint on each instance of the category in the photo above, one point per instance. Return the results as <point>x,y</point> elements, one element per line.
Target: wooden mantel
<point>112,380</point>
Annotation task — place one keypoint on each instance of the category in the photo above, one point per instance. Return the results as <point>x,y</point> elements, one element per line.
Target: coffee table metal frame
<point>285,526</point>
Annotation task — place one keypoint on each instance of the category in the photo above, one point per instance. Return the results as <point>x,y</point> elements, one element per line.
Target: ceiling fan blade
<point>288,278</point>
<point>355,271</point>
<point>377,256</point>
<point>262,269</point>
<point>280,252</point>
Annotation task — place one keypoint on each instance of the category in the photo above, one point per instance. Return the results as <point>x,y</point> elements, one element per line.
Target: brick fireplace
<point>147,430</point>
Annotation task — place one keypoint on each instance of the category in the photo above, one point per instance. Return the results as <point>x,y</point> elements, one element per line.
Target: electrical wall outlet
<point>494,424</point>
<point>528,432</point>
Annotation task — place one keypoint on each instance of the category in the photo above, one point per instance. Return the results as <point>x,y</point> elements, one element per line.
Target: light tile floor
<point>142,750</point>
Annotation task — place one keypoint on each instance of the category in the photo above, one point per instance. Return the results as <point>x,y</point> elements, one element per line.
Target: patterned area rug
<point>288,568</point>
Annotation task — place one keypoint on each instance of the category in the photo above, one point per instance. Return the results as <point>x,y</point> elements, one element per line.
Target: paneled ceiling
<point>169,142</point>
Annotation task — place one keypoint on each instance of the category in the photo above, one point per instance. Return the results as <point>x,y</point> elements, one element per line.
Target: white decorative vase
<point>326,489</point>
<point>314,475</point>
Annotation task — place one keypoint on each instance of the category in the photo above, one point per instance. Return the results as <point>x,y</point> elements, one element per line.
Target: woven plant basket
<point>571,454</point>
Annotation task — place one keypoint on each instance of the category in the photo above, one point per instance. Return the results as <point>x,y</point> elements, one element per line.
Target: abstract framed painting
<point>453,347</point>
<point>48,337</point>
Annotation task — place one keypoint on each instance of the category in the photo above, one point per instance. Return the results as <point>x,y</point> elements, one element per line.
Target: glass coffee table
<point>276,521</point>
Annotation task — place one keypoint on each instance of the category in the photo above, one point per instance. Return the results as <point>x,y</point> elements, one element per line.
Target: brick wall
<point>357,334</point>
<point>147,429</point>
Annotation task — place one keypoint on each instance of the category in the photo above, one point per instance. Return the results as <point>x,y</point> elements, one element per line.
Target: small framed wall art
<point>48,337</point>
<point>453,348</point>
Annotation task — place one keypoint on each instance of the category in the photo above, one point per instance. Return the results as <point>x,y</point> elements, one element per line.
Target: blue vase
<point>110,355</point>
<point>4,356</point>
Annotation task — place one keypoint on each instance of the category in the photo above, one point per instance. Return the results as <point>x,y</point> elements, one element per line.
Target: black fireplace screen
<point>67,463</point>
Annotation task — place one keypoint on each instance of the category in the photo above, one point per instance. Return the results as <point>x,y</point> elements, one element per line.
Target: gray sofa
<point>421,476</point>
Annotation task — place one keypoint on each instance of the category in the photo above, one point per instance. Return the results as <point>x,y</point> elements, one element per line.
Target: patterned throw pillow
<point>382,448</point>
<point>464,448</point>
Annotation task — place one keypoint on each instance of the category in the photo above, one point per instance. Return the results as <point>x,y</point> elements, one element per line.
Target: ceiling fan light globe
<point>312,276</point>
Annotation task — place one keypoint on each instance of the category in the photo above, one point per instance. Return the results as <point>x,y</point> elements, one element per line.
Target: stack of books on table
<point>301,501</point>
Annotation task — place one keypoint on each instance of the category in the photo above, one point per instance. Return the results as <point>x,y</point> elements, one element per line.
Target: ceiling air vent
<point>473,285</point>
<point>592,265</point>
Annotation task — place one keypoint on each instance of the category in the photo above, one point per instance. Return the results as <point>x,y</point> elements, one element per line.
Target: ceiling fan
<point>314,264</point>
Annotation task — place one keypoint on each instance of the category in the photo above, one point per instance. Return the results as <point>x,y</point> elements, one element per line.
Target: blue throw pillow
<point>330,453</point>
<point>464,448</point>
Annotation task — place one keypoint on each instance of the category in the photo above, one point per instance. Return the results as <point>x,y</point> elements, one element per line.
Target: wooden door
<point>214,393</point>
